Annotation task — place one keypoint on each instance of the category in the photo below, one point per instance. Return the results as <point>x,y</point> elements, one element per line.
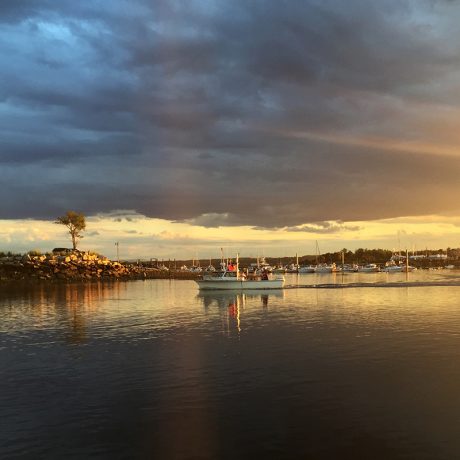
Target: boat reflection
<point>224,298</point>
<point>231,305</point>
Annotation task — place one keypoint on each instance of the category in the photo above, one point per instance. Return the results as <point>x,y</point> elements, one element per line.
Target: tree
<point>75,222</point>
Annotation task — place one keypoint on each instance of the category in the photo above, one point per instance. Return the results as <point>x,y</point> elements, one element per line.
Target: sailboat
<point>210,267</point>
<point>323,268</point>
<point>293,268</point>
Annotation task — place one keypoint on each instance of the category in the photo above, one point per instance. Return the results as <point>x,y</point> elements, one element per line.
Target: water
<point>154,369</point>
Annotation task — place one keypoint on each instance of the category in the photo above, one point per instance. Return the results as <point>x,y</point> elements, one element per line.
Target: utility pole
<point>117,244</point>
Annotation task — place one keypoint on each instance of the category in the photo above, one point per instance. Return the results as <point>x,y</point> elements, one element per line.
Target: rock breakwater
<point>76,266</point>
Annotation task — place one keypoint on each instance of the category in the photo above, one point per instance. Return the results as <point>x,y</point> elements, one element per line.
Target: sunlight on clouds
<point>141,237</point>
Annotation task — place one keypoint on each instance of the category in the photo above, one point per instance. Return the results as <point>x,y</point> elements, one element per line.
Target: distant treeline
<point>360,256</point>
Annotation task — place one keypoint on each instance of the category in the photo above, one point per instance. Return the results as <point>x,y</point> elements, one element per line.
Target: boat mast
<point>237,265</point>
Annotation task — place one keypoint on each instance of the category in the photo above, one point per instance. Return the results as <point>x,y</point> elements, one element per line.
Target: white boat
<point>232,279</point>
<point>348,268</point>
<point>279,270</point>
<point>326,268</point>
<point>260,266</point>
<point>307,269</point>
<point>393,267</point>
<point>195,269</point>
<point>369,268</point>
<point>292,268</point>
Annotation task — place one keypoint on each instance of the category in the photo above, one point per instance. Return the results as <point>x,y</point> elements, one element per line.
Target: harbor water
<point>361,366</point>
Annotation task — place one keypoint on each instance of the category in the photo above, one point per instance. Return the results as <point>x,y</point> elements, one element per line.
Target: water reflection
<point>224,298</point>
<point>65,306</point>
<point>418,277</point>
<point>154,369</point>
<point>231,304</point>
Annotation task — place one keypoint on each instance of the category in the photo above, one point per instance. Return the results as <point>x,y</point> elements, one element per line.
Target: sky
<point>180,127</point>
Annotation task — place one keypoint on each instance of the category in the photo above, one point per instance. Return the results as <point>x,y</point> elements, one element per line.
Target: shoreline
<point>58,270</point>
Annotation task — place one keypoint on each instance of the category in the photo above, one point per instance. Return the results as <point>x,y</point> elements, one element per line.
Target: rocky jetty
<point>73,266</point>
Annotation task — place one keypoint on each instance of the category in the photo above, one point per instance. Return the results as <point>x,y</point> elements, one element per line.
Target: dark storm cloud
<point>225,113</point>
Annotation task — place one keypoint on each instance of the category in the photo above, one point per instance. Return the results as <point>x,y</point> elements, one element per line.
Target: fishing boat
<point>232,279</point>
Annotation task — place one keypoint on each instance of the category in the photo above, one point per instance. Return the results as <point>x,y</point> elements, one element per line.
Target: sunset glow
<point>257,126</point>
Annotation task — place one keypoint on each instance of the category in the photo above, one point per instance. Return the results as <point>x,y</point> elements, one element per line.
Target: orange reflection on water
<point>38,306</point>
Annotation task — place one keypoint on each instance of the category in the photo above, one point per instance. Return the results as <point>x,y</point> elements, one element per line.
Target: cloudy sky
<point>179,127</point>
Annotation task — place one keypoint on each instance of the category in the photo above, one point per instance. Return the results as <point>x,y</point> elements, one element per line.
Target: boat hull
<point>233,284</point>
<point>307,270</point>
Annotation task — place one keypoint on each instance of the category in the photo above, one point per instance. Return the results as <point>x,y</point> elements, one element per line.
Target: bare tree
<point>75,222</point>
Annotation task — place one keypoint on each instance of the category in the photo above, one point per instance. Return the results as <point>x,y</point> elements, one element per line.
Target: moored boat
<point>307,269</point>
<point>369,268</point>
<point>326,268</point>
<point>260,266</point>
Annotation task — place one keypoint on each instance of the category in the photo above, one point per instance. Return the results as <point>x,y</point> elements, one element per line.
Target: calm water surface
<point>155,369</point>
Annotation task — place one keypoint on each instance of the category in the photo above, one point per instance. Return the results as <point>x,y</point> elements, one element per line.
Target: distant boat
<point>307,269</point>
<point>323,268</point>
<point>348,268</point>
<point>210,267</point>
<point>294,267</point>
<point>392,267</point>
<point>195,269</point>
<point>260,266</point>
<point>395,268</point>
<point>326,268</point>
<point>279,270</point>
<point>369,268</point>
